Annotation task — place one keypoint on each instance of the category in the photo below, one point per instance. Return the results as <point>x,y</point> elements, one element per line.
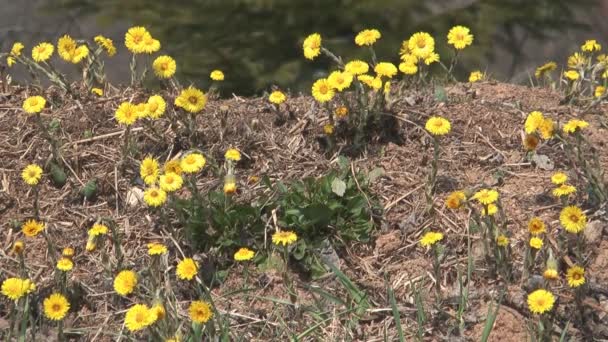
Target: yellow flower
<point>10,61</point>
<point>408,68</point>
<point>356,67</point>
<point>387,88</point>
<point>431,58</point>
<point>599,91</point>
<point>421,44</point>
<point>34,104</point>
<point>546,128</point>
<point>372,82</point>
<point>98,229</point>
<point>126,113</point>
<point>150,45</point>
<point>244,254</point>
<point>18,247</point>
<point>191,100</point>
<point>430,238</point>
<point>475,76</point>
<point>591,46</point>
<point>312,46</point>
<point>217,75</point>
<point>31,174</point>
<point>192,163</point>
<point>157,312</point>
<point>605,74</point>
<point>536,242</point>
<point>31,228</point>
<point>68,252</point>
<point>573,219</point>
<point>502,240</point>
<point>229,186</point>
<point>328,129</point>
<point>341,112</point>
<point>536,226</point>
<point>550,274</point>
<point>232,154</point>
<point>155,197</point>
<point>574,125</point>
<point>455,199</point>
<point>107,44</point>
<point>170,182</point>
<point>79,54</point>
<point>16,49</point>
<point>200,311</point>
<point>385,69</point>
<point>545,69</point>
<point>437,125</point>
<point>559,178</point>
<point>138,317</point>
<point>155,107</point>
<point>571,75</point>
<point>91,245</point>
<point>135,39</point>
<point>322,90</point>
<point>486,196</point>
<point>564,190</point>
<point>277,97</point>
<point>42,52</point>
<point>97,91</point>
<point>367,37</point>
<point>125,282</point>
<point>540,301</point>
<point>56,306</point>
<point>492,209</point>
<point>187,269</point>
<point>15,288</point>
<point>284,237</point>
<point>66,46</point>
<point>340,80</point>
<point>173,166</point>
<point>460,37</point>
<point>577,60</point>
<point>164,66</point>
<point>142,110</point>
<point>65,264</point>
<point>156,248</point>
<point>148,170</point>
<point>575,276</point>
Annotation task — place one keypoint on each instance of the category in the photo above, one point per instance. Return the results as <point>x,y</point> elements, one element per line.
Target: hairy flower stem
<point>133,68</point>
<point>36,208</point>
<point>430,191</point>
<point>286,279</point>
<point>47,136</point>
<point>437,271</point>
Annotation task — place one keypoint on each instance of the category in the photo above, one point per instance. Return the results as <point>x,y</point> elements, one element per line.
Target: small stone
<point>593,231</point>
<point>135,197</point>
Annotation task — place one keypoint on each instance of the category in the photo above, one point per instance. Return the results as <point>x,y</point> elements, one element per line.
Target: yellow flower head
<point>157,312</point>
<point>34,104</point>
<point>575,125</point>
<point>31,228</point>
<point>573,219</point>
<point>577,60</point>
<point>277,97</point>
<point>408,68</point>
<point>192,163</point>
<point>97,91</point>
<point>550,274</point>
<point>421,44</point>
<point>540,301</point>
<point>367,37</point>
<point>91,245</point>
<point>533,122</point>
<point>217,75</point>
<point>65,264</point>
<point>164,66</point>
<point>18,247</point>
<point>460,37</point>
<point>31,174</point>
<point>136,38</point>
<point>200,311</point>
<point>42,52</point>
<point>341,112</point>
<point>475,76</point>
<point>372,82</point>
<point>575,276</point>
<point>491,210</point>
<point>486,196</point>
<point>155,107</point>
<point>98,229</point>
<point>16,49</point>
<point>68,252</point>
<point>10,61</point>
<point>430,238</point>
<point>150,45</point>
<point>502,240</point>
<point>322,90</point>
<point>591,46</point>
<point>545,69</point>
<point>56,306</point>
<point>340,80</point>
<point>148,170</point>
<point>66,46</point>
<point>386,69</point>
<point>559,178</point>
<point>173,166</point>
<point>546,128</point>
<point>138,317</point>
<point>356,67</point>
<point>437,125</point>
<point>229,185</point>
<point>536,226</point>
<point>564,190</point>
<point>536,242</point>
<point>125,282</point>
<point>312,46</point>
<point>126,113</point>
<point>156,248</point>
<point>572,75</point>
<point>191,100</point>
<point>431,58</point>
<point>232,154</point>
<point>284,237</point>
<point>15,288</point>
<point>244,254</point>
<point>155,197</point>
<point>455,200</point>
<point>170,182</point>
<point>599,91</point>
<point>328,129</point>
<point>187,269</point>
<point>107,44</point>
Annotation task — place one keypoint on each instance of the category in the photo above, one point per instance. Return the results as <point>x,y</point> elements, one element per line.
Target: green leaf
<point>58,176</point>
<point>343,163</point>
<point>89,191</point>
<point>375,174</point>
<point>318,214</point>
<point>440,94</point>
<point>338,187</point>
